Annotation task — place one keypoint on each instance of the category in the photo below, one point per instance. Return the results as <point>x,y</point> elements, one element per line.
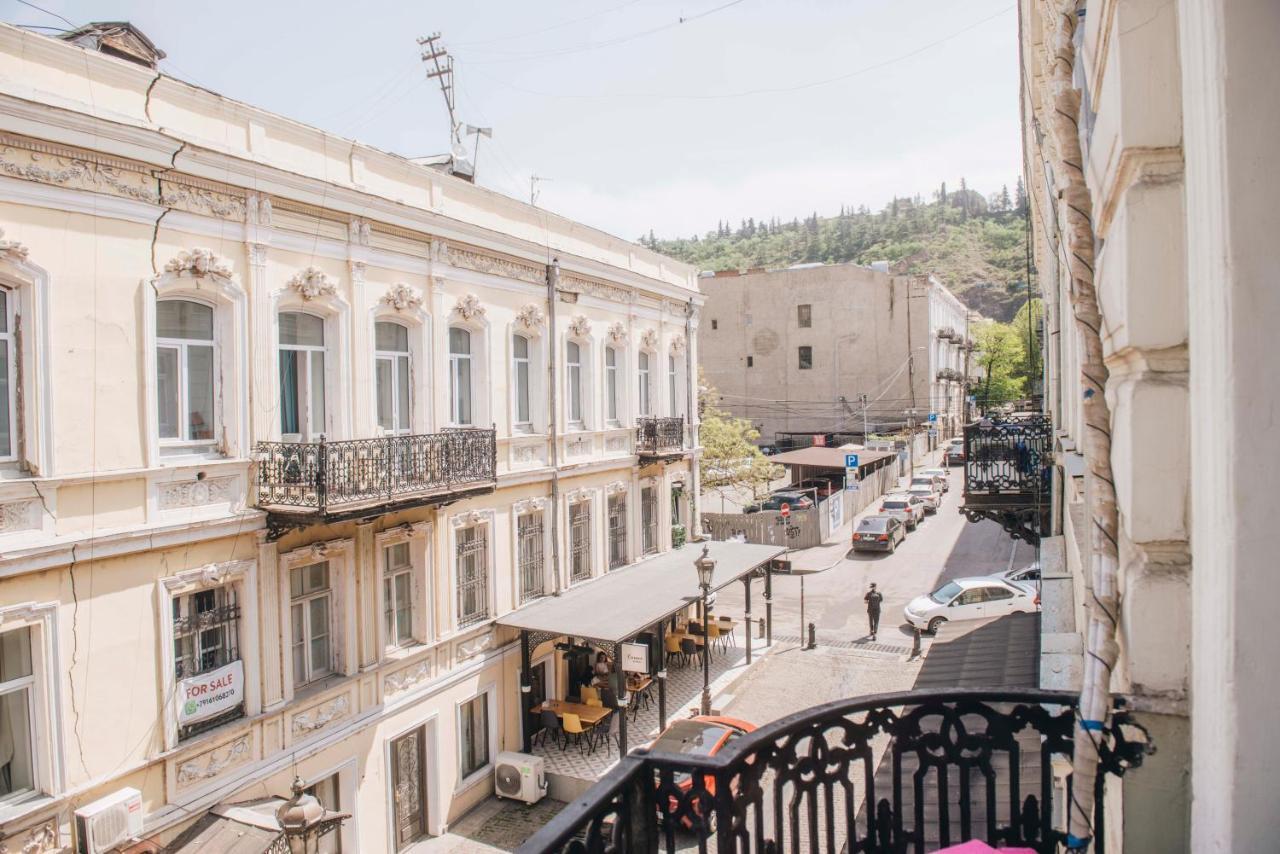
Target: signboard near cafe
<point>210,694</point>
<point>635,657</point>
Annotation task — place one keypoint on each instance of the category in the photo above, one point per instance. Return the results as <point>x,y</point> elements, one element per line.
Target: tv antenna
<point>534,180</point>
<point>440,67</point>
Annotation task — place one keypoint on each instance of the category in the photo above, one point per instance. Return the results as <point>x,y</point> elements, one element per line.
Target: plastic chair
<point>550,725</point>
<point>713,634</point>
<point>595,701</point>
<point>573,726</point>
<point>688,649</point>
<point>673,648</point>
<point>588,693</point>
<point>609,735</point>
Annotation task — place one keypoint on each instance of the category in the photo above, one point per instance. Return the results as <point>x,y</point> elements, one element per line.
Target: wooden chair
<point>573,726</point>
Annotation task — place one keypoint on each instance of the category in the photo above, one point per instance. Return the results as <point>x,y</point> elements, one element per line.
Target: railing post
<point>322,476</point>
<point>640,810</point>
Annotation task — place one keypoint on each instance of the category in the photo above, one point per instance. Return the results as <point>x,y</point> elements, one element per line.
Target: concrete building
<point>1170,194</point>
<point>286,423</point>
<point>811,349</point>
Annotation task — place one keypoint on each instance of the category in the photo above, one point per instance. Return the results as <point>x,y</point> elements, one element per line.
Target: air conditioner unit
<point>109,821</point>
<point>520,777</point>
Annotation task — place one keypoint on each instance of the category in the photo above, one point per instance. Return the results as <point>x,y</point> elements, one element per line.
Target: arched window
<point>302,377</point>
<point>460,364</point>
<point>611,385</point>
<point>8,376</point>
<point>573,381</point>
<point>391,368</point>
<point>520,379</point>
<point>185,373</point>
<point>642,369</point>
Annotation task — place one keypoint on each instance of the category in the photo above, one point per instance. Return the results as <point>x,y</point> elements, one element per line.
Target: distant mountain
<point>975,245</point>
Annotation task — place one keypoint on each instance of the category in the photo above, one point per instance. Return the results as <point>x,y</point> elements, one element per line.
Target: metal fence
<point>659,435</point>
<point>801,531</point>
<point>1008,456</point>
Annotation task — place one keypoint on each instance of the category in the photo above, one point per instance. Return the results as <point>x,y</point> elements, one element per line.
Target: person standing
<point>873,600</point>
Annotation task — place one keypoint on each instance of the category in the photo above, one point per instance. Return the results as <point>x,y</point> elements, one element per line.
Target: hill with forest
<point>974,244</point>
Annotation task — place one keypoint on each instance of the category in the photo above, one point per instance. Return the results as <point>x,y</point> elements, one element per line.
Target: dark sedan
<point>879,534</point>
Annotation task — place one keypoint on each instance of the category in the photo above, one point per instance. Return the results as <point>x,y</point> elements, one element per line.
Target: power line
<point>552,27</point>
<point>47,12</point>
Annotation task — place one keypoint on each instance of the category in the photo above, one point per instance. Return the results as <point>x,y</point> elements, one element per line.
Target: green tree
<point>1000,362</point>
<point>1027,324</point>
<point>1020,197</point>
<point>730,459</point>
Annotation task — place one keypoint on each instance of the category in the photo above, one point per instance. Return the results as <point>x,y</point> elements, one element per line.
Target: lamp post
<point>706,567</point>
<point>304,820</point>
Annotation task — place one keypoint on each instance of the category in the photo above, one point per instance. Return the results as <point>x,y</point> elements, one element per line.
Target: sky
<point>668,115</point>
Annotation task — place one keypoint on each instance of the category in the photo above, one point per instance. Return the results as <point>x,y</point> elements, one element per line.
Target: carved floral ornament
<point>12,249</point>
<point>575,496</point>
<point>530,318</point>
<point>618,333</point>
<point>649,339</point>
<point>313,282</point>
<point>616,487</point>
<point>198,263</point>
<point>401,297</point>
<point>469,307</point>
<point>469,518</point>
<point>580,327</point>
<point>677,344</point>
<point>529,505</point>
<point>358,232</point>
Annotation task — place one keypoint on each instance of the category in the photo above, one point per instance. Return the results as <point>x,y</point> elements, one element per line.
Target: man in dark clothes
<point>873,600</point>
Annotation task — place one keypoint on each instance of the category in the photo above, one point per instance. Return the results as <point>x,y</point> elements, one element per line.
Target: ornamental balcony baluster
<point>1008,474</point>
<point>300,483</point>
<point>659,436</point>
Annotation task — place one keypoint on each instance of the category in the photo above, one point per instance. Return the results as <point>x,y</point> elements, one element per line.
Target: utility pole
<point>863,399</point>
<point>534,180</point>
<point>964,386</point>
<point>434,52</point>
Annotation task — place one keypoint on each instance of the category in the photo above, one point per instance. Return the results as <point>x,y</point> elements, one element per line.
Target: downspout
<point>553,285</point>
<point>691,410</point>
<point>1103,604</point>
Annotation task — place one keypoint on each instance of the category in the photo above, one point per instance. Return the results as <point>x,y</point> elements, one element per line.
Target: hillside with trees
<point>974,244</point>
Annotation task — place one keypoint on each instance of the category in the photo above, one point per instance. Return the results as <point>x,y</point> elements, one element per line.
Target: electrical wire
<point>47,12</point>
<point>550,28</point>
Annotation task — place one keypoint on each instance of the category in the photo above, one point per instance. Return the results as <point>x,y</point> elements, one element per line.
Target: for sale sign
<point>209,694</point>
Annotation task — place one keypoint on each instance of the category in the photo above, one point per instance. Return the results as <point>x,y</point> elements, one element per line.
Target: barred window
<point>804,316</point>
<point>531,551</point>
<point>473,574</point>
<point>580,541</point>
<point>617,531</point>
<point>649,520</point>
<point>806,358</point>
<point>206,636</point>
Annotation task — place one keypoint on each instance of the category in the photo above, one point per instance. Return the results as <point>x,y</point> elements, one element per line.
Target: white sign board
<point>635,657</point>
<point>211,693</point>
<point>835,511</point>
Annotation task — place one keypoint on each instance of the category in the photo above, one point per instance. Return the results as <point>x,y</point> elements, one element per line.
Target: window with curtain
<point>473,735</point>
<point>573,381</point>
<point>397,596</point>
<point>185,372</point>
<point>642,370</point>
<point>310,609</point>
<point>8,376</point>
<point>611,385</point>
<point>17,728</point>
<point>460,376</point>
<point>392,375</point>
<point>520,377</point>
<point>302,379</point>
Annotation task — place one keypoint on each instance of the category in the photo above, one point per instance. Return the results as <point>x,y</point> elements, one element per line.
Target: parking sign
<point>851,461</point>
<point>933,418</point>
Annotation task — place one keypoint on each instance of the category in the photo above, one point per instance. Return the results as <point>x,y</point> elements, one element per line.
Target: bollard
<point>760,632</point>
<point>915,643</point>
<point>813,639</point>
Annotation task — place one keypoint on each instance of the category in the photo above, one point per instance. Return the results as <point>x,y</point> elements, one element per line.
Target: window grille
<point>617,531</point>
<point>206,636</point>
<point>532,556</point>
<point>580,541</point>
<point>473,574</point>
<point>649,519</point>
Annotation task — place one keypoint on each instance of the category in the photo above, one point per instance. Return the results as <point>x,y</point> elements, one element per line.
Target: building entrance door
<point>409,790</point>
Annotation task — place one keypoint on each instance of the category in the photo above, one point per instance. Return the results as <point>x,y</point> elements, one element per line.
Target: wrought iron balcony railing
<point>324,478</point>
<point>965,764</point>
<point>1008,474</point>
<point>950,374</point>
<point>659,436</point>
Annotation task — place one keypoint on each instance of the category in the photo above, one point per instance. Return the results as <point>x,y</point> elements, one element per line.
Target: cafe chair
<point>573,726</point>
<point>588,693</point>
<point>550,726</point>
<point>608,734</point>
<point>673,649</point>
<point>688,649</point>
<point>595,701</point>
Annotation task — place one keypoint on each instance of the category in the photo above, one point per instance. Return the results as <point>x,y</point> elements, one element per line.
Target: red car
<point>703,735</point>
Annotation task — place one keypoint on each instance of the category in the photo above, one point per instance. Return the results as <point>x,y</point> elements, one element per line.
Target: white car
<point>1029,573</point>
<point>943,476</point>
<point>970,599</point>
<point>929,494</point>
<point>907,507</point>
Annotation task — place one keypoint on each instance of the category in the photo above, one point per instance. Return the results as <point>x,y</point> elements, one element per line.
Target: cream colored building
<point>195,294</point>
<point>1178,124</point>
<point>796,350</point>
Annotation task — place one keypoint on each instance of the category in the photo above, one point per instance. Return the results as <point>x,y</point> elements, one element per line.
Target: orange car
<point>703,735</point>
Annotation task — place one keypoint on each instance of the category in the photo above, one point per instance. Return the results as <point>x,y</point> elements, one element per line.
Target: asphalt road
<point>945,546</point>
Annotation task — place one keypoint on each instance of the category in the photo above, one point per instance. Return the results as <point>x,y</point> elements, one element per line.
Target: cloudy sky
<point>640,114</point>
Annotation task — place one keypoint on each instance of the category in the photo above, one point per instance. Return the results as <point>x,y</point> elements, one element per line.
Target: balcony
<point>950,375</point>
<point>957,765</point>
<point>1007,474</point>
<point>659,438</point>
<point>946,333</point>
<point>304,483</point>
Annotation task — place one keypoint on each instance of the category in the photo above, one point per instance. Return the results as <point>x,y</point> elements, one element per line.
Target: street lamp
<point>706,568</point>
<point>304,821</point>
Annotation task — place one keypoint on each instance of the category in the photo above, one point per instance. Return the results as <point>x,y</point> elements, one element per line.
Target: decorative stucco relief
<point>320,716</point>
<point>196,493</point>
<point>616,487</point>
<point>530,318</point>
<point>472,647</point>
<point>677,344</point>
<point>39,839</point>
<point>649,339</point>
<point>618,333</point>
<point>210,764</point>
<point>18,516</point>
<point>312,283</point>
<point>358,232</point>
<point>469,308</point>
<point>602,290</point>
<point>525,453</point>
<point>492,265</point>
<point>257,210</point>
<point>198,262</point>
<point>615,443</point>
<point>577,447</point>
<point>202,200</point>
<point>401,297</point>
<point>406,678</point>
<point>580,327</point>
<point>529,505</point>
<point>67,169</point>
<point>12,250</point>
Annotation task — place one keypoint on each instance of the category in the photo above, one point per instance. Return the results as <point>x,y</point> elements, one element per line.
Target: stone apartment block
<point>279,441</point>
<point>1177,123</point>
<point>795,350</point>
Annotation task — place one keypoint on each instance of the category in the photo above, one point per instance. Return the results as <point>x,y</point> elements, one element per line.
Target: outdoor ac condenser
<point>520,777</point>
<point>109,821</point>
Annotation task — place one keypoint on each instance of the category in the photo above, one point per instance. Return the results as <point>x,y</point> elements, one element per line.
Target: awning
<point>831,458</point>
<point>628,601</point>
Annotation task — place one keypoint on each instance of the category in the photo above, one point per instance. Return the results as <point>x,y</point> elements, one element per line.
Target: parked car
<point>955,452</point>
<point>796,500</point>
<point>825,488</point>
<point>931,481</point>
<point>943,476</point>
<point>703,735</point>
<point>1030,573</point>
<point>929,494</point>
<point>879,534</point>
<point>909,508</point>
<point>970,599</point>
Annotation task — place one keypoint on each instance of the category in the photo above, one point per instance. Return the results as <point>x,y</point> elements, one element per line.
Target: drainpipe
<point>691,412</point>
<point>553,285</point>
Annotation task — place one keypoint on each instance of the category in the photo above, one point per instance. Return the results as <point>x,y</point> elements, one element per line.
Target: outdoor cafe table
<point>590,715</point>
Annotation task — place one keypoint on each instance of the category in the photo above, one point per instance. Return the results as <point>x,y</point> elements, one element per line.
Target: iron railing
<point>911,771</point>
<point>659,435</point>
<point>1009,457</point>
<point>326,476</point>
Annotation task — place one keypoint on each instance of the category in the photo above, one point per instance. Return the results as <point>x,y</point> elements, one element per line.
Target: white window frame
<point>455,386</point>
<point>396,357</point>
<point>644,384</point>
<point>577,503</point>
<point>46,712</point>
<point>575,391</point>
<point>8,335</point>
<point>309,429</point>
<point>488,693</point>
<point>471,519</point>
<point>303,601</point>
<point>183,345</point>
<point>623,494</point>
<point>673,385</point>
<point>418,537</point>
<point>342,614</point>
<point>518,425</point>
<point>334,310</point>
<point>612,387</point>
<point>519,510</point>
